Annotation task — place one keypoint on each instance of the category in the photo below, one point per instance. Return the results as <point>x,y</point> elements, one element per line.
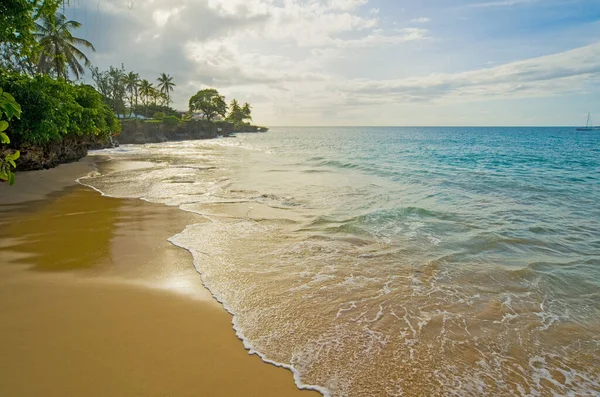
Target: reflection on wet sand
<point>95,301</point>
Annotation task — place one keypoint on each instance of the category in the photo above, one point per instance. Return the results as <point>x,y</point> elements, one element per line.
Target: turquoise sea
<point>395,261</point>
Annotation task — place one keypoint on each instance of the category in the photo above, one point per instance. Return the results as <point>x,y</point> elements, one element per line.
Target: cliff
<point>140,132</point>
<point>49,155</point>
<point>249,128</point>
<point>73,148</point>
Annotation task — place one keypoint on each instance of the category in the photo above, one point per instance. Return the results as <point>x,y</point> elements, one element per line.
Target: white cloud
<point>554,74</point>
<point>502,3</point>
<point>310,61</point>
<point>377,38</point>
<point>161,17</point>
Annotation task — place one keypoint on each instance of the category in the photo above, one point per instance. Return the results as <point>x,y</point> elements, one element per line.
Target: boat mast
<point>587,124</point>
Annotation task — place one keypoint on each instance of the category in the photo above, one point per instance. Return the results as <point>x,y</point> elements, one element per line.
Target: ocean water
<point>395,261</point>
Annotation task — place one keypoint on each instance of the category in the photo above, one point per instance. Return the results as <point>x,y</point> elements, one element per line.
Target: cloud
<point>303,61</point>
<point>235,42</point>
<point>501,3</point>
<point>549,75</point>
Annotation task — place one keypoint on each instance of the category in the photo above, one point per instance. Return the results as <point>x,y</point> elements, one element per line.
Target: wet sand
<point>95,301</point>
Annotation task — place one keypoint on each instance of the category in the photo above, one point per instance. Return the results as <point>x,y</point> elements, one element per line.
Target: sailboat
<point>588,125</point>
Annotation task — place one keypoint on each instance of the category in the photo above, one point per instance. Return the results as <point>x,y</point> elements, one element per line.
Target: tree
<point>155,95</point>
<point>209,102</point>
<point>132,83</point>
<point>54,110</point>
<point>165,99</point>
<point>18,46</point>
<point>247,111</point>
<point>235,113</point>
<point>9,108</point>
<point>112,85</point>
<point>146,90</point>
<point>165,84</point>
<point>59,53</point>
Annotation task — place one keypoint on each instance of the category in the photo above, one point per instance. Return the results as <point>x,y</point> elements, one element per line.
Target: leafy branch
<point>9,108</point>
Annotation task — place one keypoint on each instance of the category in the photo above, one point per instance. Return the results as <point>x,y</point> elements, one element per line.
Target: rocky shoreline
<point>71,149</point>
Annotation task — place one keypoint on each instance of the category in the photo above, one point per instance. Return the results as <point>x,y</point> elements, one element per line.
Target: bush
<point>159,115</point>
<point>171,121</point>
<point>53,109</point>
<point>150,109</point>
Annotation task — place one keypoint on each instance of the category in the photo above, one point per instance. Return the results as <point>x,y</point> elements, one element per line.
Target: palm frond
<point>83,42</point>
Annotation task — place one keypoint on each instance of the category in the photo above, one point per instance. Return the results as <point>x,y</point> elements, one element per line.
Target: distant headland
<point>48,117</point>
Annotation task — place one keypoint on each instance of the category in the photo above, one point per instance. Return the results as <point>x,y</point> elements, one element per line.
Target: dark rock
<point>74,148</point>
<point>242,128</point>
<point>108,144</point>
<point>68,150</point>
<point>140,132</point>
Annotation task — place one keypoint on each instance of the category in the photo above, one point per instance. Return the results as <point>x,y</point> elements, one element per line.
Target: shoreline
<point>221,303</point>
<point>118,261</point>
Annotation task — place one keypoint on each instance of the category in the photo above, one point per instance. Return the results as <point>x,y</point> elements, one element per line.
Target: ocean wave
<point>430,272</point>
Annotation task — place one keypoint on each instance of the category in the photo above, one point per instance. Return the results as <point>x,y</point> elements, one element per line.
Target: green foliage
<point>56,108</point>
<point>152,109</point>
<point>15,17</point>
<point>112,84</point>
<point>247,111</point>
<point>159,115</point>
<point>170,121</point>
<point>19,50</point>
<point>165,85</point>
<point>132,85</point>
<point>126,93</point>
<point>9,108</point>
<point>209,102</point>
<point>237,113</point>
<point>58,48</point>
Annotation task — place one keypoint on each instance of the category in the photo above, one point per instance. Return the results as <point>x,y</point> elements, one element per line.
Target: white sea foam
<point>338,310</point>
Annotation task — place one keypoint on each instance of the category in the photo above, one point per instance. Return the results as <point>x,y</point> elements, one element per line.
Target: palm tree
<point>164,98</point>
<point>132,83</point>
<point>146,89</point>
<point>235,113</point>
<point>154,94</point>
<point>166,85</point>
<point>247,111</point>
<point>59,53</point>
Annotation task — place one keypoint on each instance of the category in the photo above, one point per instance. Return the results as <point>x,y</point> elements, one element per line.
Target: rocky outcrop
<point>250,128</point>
<point>110,143</point>
<point>140,132</point>
<point>37,157</point>
<point>74,148</point>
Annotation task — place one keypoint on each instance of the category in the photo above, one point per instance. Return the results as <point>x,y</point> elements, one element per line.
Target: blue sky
<point>365,62</point>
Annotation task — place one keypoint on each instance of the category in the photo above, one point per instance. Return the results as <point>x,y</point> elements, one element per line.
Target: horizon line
<point>426,126</point>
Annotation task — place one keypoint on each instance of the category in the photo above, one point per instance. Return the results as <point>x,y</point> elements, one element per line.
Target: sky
<point>363,62</point>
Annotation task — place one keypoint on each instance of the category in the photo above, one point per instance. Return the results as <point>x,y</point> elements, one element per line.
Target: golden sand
<point>95,301</point>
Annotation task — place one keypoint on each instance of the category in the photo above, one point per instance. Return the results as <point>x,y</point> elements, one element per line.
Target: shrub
<point>159,115</point>
<point>150,109</point>
<point>53,109</point>
<point>171,121</point>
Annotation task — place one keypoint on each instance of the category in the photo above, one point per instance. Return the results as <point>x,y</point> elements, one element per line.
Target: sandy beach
<point>95,301</point>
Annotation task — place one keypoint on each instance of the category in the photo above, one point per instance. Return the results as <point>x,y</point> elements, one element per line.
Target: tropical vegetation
<point>58,53</point>
<point>238,114</point>
<point>43,101</point>
<point>209,103</point>
<point>165,85</point>
<point>9,108</point>
<point>53,109</point>
<point>40,105</point>
<point>128,95</point>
